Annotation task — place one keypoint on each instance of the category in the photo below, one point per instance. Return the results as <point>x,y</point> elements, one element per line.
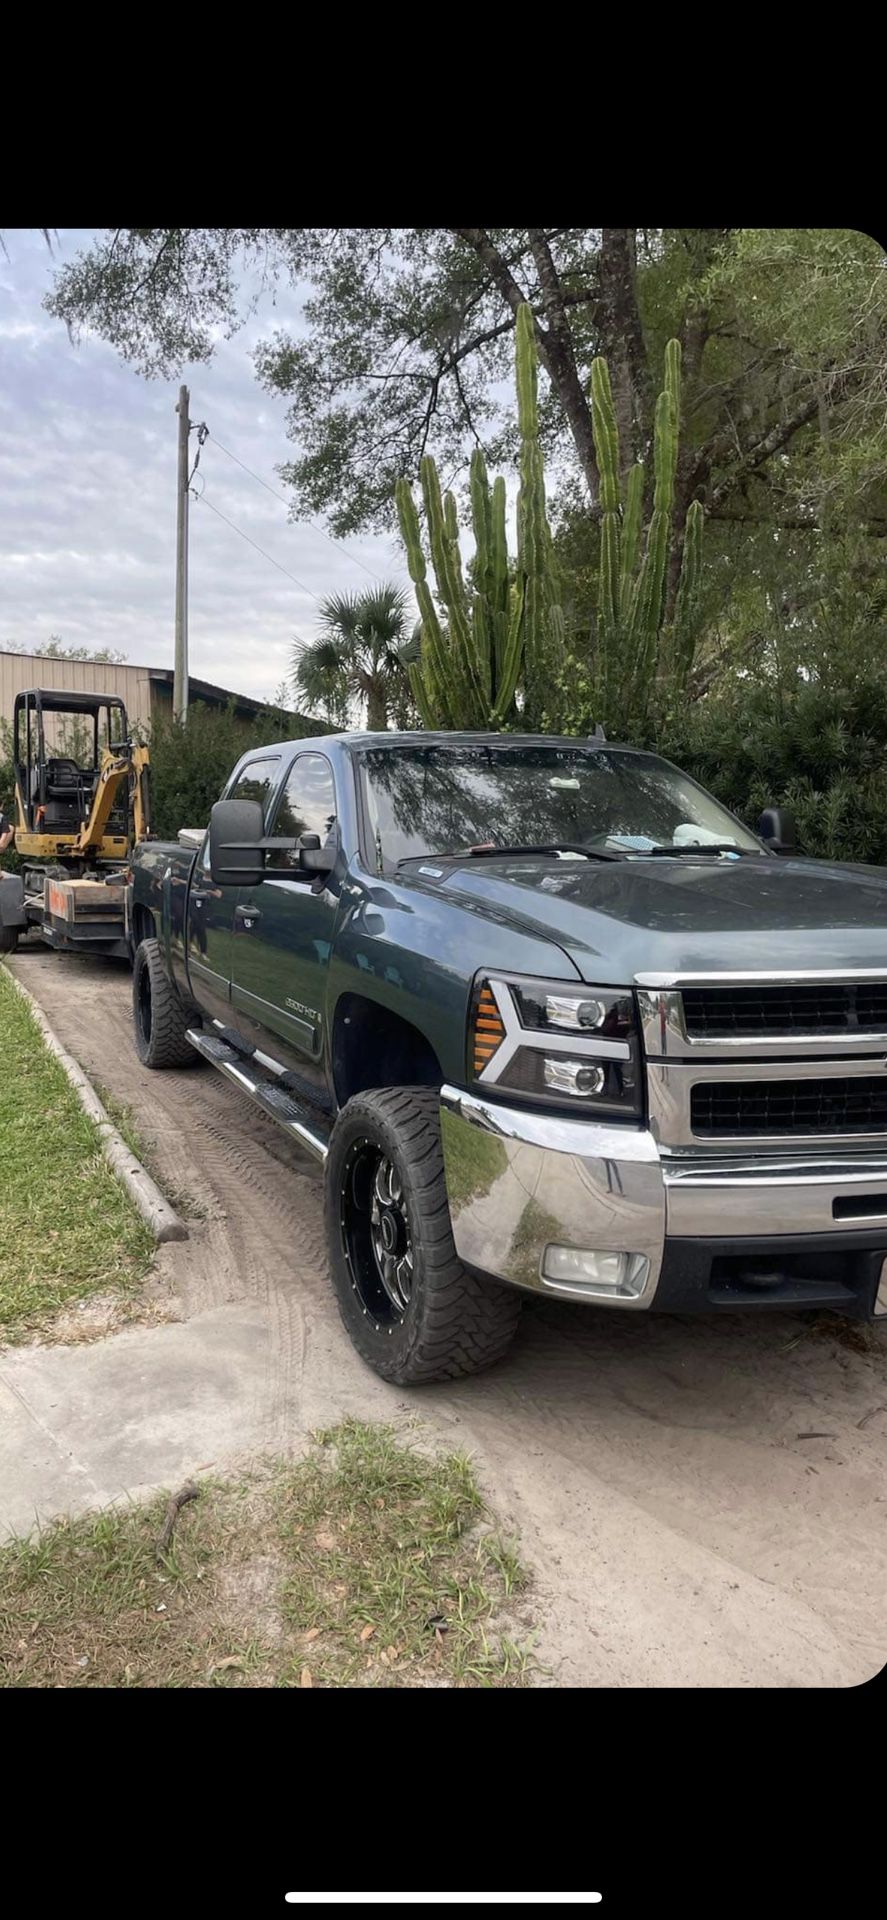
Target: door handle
<point>247,914</point>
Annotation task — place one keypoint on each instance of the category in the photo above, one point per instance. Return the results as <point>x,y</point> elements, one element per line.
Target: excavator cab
<point>81,785</point>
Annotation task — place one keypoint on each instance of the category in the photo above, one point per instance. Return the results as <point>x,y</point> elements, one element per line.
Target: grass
<point>473,1159</point>
<point>125,1121</point>
<point>67,1228</point>
<point>367,1563</point>
<point>535,1227</point>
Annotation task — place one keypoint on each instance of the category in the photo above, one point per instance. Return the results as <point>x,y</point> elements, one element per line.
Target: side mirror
<point>778,831</point>
<point>313,858</point>
<point>236,850</point>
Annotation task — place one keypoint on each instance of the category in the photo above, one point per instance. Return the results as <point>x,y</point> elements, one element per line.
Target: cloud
<point>87,497</point>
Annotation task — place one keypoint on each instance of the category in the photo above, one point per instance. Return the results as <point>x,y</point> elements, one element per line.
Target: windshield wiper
<point>708,846</point>
<point>551,848</point>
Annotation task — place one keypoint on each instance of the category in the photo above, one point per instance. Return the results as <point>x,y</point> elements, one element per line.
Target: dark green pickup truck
<point>553,1019</point>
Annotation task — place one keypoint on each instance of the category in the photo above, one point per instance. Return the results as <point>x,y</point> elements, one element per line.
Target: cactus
<point>632,641</point>
<point>495,630</point>
<point>489,635</point>
<point>428,678</point>
<point>688,592</point>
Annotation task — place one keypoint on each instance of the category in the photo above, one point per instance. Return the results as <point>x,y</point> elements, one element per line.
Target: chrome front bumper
<point>519,1182</point>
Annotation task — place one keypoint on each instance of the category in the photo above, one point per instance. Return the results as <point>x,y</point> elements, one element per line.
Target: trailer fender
<point>12,901</point>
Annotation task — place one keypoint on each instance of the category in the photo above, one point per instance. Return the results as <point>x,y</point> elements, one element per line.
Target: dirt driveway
<point>704,1501</point>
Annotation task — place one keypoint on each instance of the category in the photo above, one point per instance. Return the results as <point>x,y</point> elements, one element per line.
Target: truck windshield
<point>448,800</point>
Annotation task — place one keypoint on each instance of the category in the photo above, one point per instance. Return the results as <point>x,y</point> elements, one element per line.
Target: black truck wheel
<point>8,938</point>
<point>159,1018</point>
<point>412,1310</point>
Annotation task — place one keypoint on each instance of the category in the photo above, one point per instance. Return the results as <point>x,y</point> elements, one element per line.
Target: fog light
<point>572,1076</point>
<point>580,1270</point>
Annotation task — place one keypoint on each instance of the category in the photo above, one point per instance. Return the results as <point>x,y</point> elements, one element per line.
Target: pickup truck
<point>553,1019</point>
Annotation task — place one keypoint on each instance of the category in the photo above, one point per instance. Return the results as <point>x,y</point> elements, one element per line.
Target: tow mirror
<point>236,853</point>
<point>313,858</point>
<point>238,844</point>
<point>778,831</point>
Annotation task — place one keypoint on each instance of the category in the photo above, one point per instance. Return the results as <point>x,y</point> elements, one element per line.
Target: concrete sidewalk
<point>81,1427</point>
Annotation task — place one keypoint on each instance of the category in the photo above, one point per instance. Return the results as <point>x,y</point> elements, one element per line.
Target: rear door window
<point>256,780</point>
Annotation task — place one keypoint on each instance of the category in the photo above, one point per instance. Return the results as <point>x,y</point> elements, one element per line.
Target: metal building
<point>145,691</point>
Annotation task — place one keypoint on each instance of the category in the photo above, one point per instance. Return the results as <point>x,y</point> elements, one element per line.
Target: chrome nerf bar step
<point>290,1114</point>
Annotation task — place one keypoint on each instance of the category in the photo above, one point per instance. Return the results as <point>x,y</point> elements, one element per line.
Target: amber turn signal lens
<point>489,1031</point>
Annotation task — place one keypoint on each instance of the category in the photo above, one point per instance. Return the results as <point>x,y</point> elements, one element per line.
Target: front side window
<point>307,805</point>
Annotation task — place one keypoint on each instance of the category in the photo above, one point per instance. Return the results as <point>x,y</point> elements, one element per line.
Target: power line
<point>265,556</point>
<point>308,523</point>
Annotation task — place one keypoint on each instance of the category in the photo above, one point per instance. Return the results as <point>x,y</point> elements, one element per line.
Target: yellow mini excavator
<point>81,803</point>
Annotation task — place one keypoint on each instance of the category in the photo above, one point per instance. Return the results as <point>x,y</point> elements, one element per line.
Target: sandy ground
<point>703,1501</point>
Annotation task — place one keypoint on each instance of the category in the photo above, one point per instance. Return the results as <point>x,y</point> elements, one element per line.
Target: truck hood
<point>635,917</point>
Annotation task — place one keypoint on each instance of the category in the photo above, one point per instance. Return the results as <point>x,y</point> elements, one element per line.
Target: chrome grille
<point>713,1012</point>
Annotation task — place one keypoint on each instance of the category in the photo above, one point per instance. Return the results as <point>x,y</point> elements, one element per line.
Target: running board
<point>290,1114</point>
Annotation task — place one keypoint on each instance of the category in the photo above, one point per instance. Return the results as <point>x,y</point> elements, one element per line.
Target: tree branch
<point>559,363</point>
<point>463,398</point>
<point>758,453</point>
<point>561,355</point>
<point>623,338</point>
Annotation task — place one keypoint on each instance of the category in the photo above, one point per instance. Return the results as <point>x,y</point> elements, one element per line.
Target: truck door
<point>283,932</point>
<point>211,909</point>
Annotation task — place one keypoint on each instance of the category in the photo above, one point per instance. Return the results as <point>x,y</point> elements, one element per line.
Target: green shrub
<point>190,765</point>
<point>822,751</point>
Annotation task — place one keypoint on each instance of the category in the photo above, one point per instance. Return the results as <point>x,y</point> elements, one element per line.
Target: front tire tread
<point>457,1323</point>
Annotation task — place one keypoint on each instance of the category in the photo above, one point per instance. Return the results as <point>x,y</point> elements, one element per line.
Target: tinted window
<point>256,781</point>
<point>307,805</point>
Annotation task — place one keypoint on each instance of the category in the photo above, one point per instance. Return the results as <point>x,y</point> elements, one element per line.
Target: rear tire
<point>411,1308</point>
<point>159,1019</point>
<point>8,939</point>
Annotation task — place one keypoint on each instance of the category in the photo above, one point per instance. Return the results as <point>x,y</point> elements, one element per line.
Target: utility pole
<point>180,677</point>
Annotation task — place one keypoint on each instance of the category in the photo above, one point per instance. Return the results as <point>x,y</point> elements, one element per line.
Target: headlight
<point>600,1011</point>
<point>562,1046</point>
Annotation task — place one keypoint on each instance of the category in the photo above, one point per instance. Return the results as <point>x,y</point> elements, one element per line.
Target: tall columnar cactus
<point>686,604</point>
<point>632,586</point>
<point>535,555</point>
<point>483,637</point>
<point>492,629</point>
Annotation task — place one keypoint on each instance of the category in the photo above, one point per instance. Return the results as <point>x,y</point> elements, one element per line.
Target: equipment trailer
<point>81,803</point>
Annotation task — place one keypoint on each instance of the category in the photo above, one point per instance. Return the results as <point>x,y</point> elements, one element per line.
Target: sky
<point>88,455</point>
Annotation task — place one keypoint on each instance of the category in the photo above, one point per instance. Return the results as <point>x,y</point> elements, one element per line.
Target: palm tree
<point>358,657</point>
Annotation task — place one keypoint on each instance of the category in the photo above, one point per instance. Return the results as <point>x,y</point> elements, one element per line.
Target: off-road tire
<point>159,1019</point>
<point>8,938</point>
<point>454,1323</point>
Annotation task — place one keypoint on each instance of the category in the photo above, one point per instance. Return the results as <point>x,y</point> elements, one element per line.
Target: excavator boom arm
<point>130,768</point>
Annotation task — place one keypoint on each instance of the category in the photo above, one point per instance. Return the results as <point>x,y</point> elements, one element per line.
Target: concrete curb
<point>164,1222</point>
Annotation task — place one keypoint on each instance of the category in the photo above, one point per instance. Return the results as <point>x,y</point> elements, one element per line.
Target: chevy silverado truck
<point>554,1021</point>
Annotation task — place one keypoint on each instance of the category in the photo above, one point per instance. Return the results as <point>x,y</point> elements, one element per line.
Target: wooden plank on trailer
<point>71,900</point>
